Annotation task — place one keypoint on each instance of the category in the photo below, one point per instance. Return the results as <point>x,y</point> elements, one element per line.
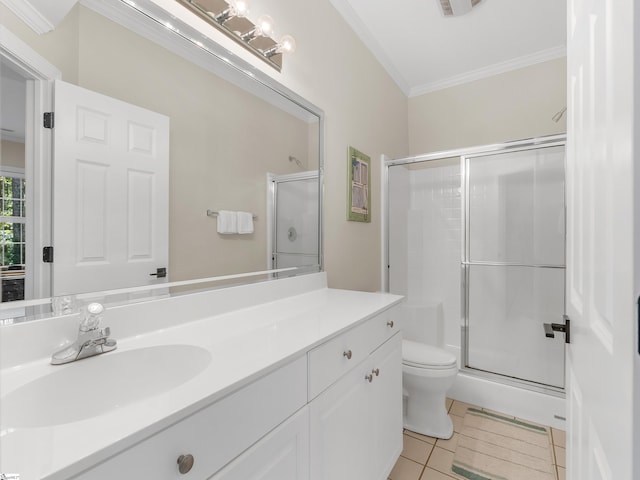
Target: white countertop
<point>244,344</point>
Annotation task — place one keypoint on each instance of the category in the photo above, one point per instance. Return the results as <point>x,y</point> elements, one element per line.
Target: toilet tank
<point>423,323</point>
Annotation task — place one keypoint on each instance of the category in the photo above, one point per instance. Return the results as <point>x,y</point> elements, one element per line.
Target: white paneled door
<point>602,357</point>
<point>110,200</point>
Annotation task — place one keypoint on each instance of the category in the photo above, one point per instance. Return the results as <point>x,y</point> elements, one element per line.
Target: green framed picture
<point>359,195</point>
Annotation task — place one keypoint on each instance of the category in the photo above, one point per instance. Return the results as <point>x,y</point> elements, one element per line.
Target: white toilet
<point>427,371</point>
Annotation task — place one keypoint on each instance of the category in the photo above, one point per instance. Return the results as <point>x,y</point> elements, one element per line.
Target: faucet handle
<point>92,319</point>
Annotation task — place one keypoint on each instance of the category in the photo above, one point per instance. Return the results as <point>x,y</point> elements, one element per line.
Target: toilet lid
<point>422,355</point>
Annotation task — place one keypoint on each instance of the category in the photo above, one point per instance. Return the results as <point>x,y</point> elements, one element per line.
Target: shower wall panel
<point>425,238</point>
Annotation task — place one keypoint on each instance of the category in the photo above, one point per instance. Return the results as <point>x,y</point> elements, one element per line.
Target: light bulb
<point>241,8</point>
<point>287,44</point>
<point>236,8</point>
<point>264,26</point>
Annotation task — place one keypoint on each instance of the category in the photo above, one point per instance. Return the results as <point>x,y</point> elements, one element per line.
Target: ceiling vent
<point>451,8</point>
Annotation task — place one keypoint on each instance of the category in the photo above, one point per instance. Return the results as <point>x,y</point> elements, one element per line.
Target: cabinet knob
<point>185,463</point>
<point>347,354</point>
<point>376,371</point>
<point>369,377</point>
<point>390,324</point>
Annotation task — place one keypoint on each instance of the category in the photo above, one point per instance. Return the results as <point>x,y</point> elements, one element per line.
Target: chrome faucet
<point>92,340</point>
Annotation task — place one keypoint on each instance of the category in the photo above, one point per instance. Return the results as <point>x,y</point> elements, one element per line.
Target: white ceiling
<point>424,51</point>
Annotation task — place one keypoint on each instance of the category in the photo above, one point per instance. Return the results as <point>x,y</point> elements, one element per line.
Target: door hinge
<point>48,119</point>
<point>47,254</point>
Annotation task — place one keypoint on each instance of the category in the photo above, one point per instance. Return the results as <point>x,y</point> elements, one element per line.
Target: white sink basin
<point>96,385</point>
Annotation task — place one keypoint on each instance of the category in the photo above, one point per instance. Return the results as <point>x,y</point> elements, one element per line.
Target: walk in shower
<point>477,236</point>
<point>293,214</point>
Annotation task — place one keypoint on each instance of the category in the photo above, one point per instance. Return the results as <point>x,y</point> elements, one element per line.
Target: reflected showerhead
<point>294,159</point>
<point>556,118</point>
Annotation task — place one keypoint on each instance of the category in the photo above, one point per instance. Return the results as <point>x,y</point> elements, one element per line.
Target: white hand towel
<point>227,222</point>
<point>245,222</point>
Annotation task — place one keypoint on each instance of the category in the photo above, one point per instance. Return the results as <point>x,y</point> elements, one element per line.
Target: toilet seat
<point>420,355</point>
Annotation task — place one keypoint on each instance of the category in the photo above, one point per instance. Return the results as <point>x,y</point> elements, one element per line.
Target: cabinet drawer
<point>215,435</point>
<point>330,361</point>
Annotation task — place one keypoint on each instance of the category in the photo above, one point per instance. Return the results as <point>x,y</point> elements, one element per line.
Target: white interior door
<point>110,200</point>
<point>602,356</point>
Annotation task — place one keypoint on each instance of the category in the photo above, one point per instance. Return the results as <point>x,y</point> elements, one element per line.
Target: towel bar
<point>214,213</point>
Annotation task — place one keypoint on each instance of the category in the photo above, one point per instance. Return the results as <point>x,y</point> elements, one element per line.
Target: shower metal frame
<point>273,181</point>
<point>464,154</point>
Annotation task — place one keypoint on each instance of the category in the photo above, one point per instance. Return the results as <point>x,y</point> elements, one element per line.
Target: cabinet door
<point>341,428</point>
<point>386,407</point>
<point>281,455</point>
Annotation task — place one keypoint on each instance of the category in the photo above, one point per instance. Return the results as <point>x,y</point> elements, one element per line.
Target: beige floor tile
<point>561,456</point>
<point>406,469</point>
<point>448,403</point>
<point>450,444</point>
<point>416,450</point>
<point>459,408</point>
<point>457,423</point>
<point>431,474</point>
<point>559,437</point>
<point>562,474</point>
<point>441,461</point>
<point>419,436</point>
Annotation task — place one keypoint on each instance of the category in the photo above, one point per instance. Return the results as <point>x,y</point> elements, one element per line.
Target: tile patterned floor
<point>427,458</point>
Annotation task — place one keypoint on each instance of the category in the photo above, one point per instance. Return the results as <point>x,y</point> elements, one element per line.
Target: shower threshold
<point>515,381</point>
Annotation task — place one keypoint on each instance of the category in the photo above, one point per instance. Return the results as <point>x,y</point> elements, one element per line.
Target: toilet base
<point>444,432</point>
<point>426,413</point>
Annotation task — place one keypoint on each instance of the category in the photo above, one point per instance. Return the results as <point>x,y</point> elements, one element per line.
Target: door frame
<point>38,155</point>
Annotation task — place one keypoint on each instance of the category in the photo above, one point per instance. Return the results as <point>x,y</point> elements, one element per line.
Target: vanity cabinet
<point>215,435</point>
<point>333,413</point>
<point>356,423</point>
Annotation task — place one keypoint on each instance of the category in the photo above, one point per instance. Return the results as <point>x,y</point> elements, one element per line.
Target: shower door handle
<point>551,328</point>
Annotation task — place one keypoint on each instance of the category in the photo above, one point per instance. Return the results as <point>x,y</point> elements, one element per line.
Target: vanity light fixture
<point>230,17</point>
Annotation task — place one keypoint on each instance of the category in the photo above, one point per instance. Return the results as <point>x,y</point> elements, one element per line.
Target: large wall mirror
<point>162,144</point>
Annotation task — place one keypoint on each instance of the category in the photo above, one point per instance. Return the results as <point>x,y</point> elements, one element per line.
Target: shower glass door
<point>514,264</point>
<point>295,236</point>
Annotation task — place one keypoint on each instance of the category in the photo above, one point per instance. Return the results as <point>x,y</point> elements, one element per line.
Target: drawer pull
<point>185,463</point>
<point>376,371</point>
<point>369,377</point>
<point>390,323</point>
<point>347,354</point>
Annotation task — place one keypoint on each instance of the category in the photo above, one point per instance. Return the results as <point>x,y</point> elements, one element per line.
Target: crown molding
<point>353,20</point>
<point>491,70</point>
<point>29,15</point>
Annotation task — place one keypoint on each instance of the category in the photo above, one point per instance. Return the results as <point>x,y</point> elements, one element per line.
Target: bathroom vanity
<point>284,380</point>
